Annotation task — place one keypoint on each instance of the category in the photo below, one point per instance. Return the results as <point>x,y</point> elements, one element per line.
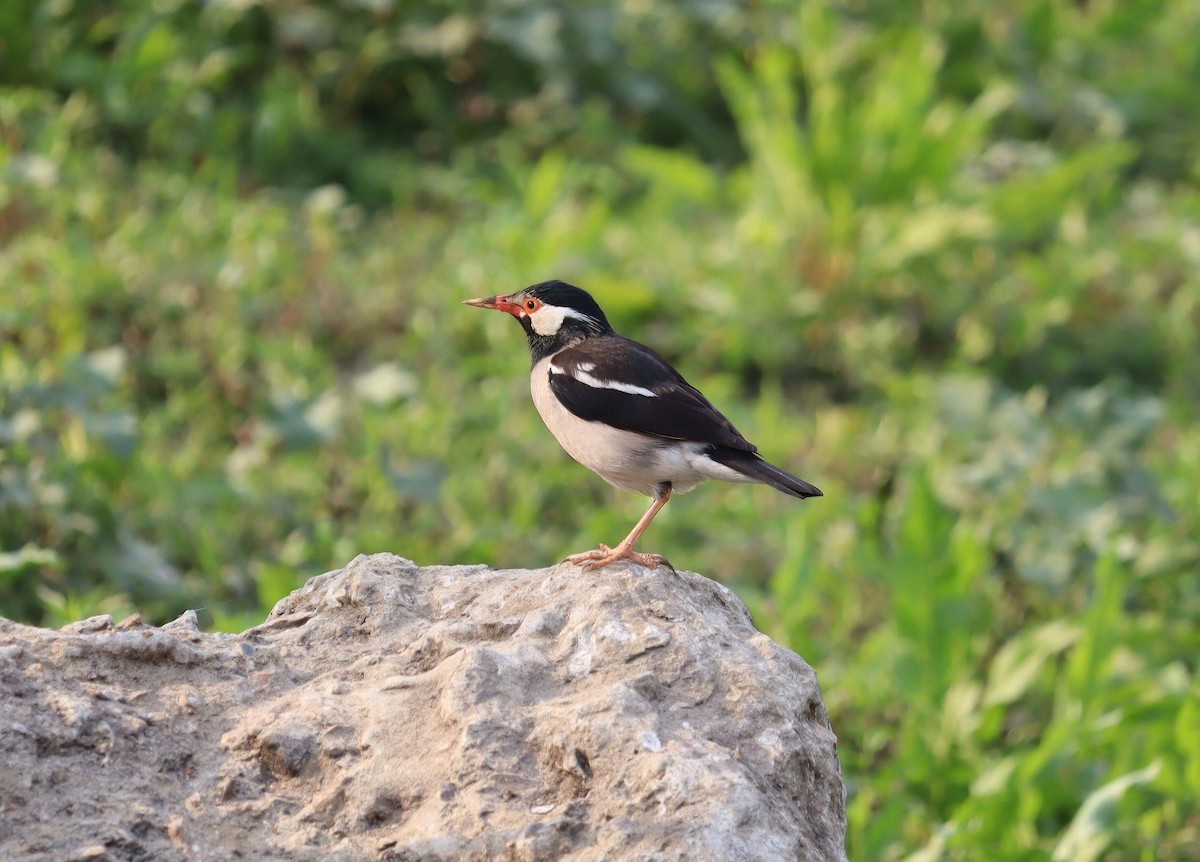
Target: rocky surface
<point>388,711</point>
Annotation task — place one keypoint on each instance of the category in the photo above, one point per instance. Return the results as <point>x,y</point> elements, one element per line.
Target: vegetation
<point>940,259</point>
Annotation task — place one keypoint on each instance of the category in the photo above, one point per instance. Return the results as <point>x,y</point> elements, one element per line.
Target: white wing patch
<point>548,319</point>
<point>581,373</point>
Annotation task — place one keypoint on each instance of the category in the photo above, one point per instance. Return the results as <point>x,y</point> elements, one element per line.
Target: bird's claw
<point>652,561</point>
<point>605,556</point>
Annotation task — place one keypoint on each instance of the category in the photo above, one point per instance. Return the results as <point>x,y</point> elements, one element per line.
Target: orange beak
<point>499,303</point>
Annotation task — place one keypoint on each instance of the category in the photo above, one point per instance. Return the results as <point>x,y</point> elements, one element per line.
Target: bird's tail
<point>753,467</point>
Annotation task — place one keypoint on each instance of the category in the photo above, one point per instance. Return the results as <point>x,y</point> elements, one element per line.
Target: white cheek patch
<point>548,319</point>
<point>580,373</point>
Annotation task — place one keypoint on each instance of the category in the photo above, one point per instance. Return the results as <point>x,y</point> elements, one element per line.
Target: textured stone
<point>389,711</point>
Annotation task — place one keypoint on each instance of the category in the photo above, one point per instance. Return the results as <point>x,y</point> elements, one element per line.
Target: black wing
<point>627,385</point>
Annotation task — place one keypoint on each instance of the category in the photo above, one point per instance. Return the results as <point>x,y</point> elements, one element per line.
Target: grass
<point>950,278</point>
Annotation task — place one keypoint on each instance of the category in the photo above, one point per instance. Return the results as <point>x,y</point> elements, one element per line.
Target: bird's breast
<point>627,459</point>
<point>624,458</point>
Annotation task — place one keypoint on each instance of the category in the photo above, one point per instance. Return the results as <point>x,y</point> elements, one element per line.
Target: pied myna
<point>618,408</point>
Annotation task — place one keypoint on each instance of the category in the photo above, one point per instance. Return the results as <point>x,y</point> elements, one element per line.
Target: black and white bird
<point>620,409</point>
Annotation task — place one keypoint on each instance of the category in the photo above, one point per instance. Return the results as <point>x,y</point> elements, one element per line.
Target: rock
<point>389,711</point>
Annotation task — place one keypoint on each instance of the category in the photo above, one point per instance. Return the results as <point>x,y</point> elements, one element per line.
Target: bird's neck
<point>541,346</point>
<point>571,332</point>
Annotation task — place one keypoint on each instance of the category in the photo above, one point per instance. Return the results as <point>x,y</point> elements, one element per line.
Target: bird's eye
<point>533,304</point>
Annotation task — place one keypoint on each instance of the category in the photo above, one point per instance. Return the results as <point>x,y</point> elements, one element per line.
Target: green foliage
<point>941,260</point>
<point>319,91</point>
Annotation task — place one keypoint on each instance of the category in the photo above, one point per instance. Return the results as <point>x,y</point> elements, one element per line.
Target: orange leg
<point>606,556</point>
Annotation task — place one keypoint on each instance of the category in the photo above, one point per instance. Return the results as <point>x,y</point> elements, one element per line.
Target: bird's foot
<point>606,556</point>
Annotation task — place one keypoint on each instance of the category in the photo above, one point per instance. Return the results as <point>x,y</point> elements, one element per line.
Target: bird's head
<point>553,314</point>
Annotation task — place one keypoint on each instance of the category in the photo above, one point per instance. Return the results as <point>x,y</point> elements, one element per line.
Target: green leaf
<point>1017,664</point>
<point>1091,829</point>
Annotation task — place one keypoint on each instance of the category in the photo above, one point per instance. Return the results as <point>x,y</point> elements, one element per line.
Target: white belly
<point>634,462</point>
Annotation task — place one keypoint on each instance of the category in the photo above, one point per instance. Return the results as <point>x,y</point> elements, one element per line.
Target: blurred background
<point>943,260</point>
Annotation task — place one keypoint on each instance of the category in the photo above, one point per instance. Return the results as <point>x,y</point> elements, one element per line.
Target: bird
<point>620,409</point>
